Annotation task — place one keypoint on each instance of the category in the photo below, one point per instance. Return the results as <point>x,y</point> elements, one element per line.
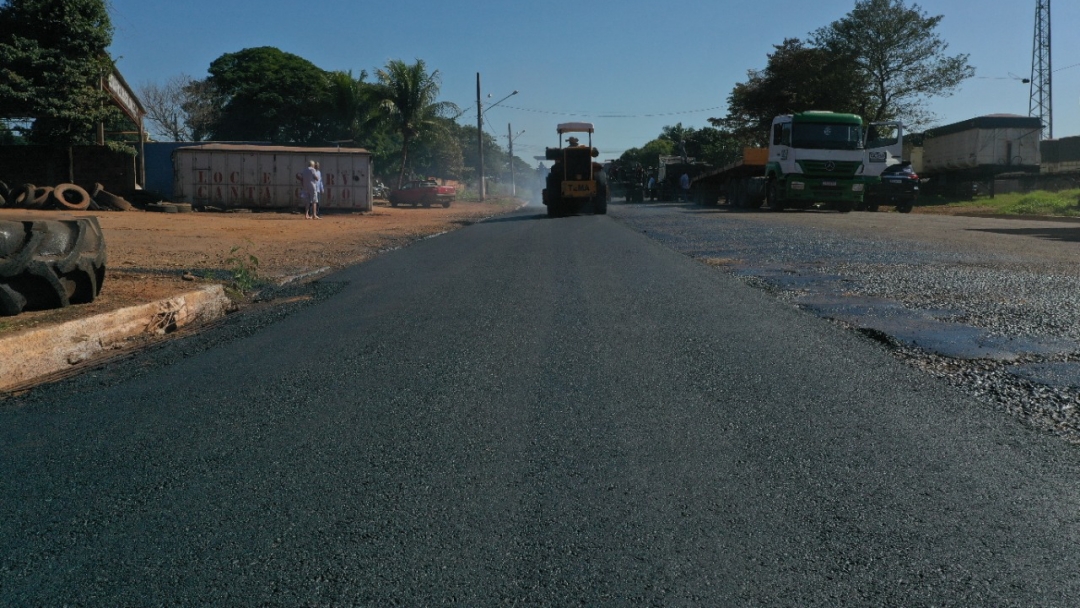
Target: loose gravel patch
<point>1001,324</point>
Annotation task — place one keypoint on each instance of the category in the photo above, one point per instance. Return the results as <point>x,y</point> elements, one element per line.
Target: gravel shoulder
<point>987,304</point>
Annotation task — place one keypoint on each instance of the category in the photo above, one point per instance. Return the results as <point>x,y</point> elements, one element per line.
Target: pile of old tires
<point>50,263</point>
<point>69,197</point>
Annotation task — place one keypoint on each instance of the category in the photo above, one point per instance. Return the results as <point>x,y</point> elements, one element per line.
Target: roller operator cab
<point>576,182</point>
<point>821,158</point>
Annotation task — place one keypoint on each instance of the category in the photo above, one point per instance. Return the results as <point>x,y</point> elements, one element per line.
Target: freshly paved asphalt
<point>530,412</point>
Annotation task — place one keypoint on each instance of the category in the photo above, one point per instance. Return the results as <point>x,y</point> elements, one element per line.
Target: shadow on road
<point>518,217</point>
<point>1067,235</point>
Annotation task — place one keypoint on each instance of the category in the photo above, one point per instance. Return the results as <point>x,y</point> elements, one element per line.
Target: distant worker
<point>652,187</point>
<point>572,142</point>
<point>321,189</point>
<point>309,181</point>
<point>684,187</point>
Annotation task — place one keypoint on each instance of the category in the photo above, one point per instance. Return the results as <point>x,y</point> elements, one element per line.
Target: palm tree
<point>350,110</point>
<point>407,94</point>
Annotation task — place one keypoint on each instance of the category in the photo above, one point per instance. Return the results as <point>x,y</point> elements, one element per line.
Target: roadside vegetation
<point>1063,203</point>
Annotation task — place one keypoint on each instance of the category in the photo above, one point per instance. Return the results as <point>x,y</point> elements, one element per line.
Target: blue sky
<point>630,67</point>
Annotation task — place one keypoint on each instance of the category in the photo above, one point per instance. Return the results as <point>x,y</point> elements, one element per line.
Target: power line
<point>596,115</point>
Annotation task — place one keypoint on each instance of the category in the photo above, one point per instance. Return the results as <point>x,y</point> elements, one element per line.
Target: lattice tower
<point>1041,102</point>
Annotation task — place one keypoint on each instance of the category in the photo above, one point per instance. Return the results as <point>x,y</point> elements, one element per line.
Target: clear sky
<point>630,66</point>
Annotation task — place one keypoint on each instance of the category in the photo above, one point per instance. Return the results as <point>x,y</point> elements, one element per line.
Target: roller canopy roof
<point>575,127</point>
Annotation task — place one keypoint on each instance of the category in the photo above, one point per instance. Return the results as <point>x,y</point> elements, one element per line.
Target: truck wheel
<point>446,204</point>
<point>772,195</point>
<point>39,198</point>
<point>19,195</point>
<point>70,196</point>
<point>904,207</point>
<point>50,263</point>
<point>845,206</point>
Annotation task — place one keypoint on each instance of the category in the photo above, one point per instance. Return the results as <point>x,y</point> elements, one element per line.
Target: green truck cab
<point>819,158</point>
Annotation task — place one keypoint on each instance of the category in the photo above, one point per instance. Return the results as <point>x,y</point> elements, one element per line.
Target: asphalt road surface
<point>529,412</point>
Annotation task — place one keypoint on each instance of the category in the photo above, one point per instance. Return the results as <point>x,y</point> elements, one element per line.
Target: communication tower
<point>1041,102</point>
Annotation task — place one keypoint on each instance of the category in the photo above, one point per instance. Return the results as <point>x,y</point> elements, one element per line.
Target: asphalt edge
<point>36,353</point>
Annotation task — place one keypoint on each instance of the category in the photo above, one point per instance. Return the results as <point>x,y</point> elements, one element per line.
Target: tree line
<point>264,94</point>
<point>880,61</point>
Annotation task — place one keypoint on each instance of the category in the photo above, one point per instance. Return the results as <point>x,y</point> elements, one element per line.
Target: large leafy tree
<point>796,78</point>
<point>267,94</point>
<point>53,54</point>
<point>408,96</point>
<point>899,57</point>
<point>201,108</point>
<point>649,154</point>
<point>708,144</point>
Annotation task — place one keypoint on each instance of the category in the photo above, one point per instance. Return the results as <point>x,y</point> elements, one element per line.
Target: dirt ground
<point>149,253</point>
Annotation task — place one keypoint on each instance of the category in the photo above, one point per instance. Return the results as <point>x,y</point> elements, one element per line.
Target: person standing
<point>684,187</point>
<point>309,182</point>
<point>320,189</point>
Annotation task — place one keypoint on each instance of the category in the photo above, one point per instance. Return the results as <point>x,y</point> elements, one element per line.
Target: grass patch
<point>1040,202</point>
<point>244,267</point>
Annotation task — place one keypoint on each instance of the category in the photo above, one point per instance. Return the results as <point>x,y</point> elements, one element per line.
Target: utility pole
<point>480,135</point>
<point>1041,102</point>
<point>510,138</point>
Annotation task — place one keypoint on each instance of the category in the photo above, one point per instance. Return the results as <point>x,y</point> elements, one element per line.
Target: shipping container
<point>983,146</point>
<point>243,176</point>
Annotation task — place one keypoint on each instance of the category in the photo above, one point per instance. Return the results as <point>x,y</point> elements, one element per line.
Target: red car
<point>426,192</point>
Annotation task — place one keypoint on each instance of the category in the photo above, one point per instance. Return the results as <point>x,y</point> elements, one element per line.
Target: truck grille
<point>821,168</point>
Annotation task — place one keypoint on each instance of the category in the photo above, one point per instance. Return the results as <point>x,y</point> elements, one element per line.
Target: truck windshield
<point>824,136</point>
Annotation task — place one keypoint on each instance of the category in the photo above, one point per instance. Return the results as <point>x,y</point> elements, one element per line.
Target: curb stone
<point>33,354</point>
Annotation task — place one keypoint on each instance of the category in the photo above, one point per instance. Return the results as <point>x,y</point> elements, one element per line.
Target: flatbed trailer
<point>741,183</point>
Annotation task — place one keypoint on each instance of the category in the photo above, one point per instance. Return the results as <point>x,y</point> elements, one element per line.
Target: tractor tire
<point>50,263</point>
<point>71,197</point>
<point>603,195</point>
<point>20,194</point>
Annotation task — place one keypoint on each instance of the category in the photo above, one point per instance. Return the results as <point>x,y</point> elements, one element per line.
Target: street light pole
<point>510,138</point>
<point>480,131</point>
<point>480,135</point>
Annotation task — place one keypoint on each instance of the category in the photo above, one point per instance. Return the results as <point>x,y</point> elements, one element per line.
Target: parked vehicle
<point>380,190</point>
<point>813,159</point>
<point>899,186</point>
<point>426,192</point>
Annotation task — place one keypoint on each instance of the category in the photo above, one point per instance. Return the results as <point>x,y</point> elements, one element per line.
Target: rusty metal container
<point>231,176</point>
